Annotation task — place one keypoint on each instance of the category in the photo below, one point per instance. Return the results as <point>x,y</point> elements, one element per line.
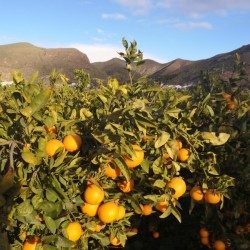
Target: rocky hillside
<point>28,59</point>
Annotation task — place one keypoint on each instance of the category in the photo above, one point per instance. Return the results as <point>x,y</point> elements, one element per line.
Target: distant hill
<point>29,58</point>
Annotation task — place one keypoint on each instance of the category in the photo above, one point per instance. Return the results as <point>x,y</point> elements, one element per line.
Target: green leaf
<point>159,183</point>
<point>51,195</point>
<point>27,111</point>
<point>24,209</point>
<point>123,167</point>
<point>51,209</point>
<point>210,137</point>
<point>50,223</point>
<point>166,213</point>
<point>162,139</point>
<point>176,213</point>
<point>29,157</point>
<point>157,165</point>
<point>40,100</point>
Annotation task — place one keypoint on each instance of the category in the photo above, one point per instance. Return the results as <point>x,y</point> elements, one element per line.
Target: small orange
<point>52,129</point>
<point>74,231</point>
<point>93,194</point>
<point>108,212</point>
<point>52,146</point>
<point>212,197</point>
<point>156,235</point>
<point>204,232</point>
<point>231,105</point>
<point>126,186</point>
<point>227,97</point>
<point>23,235</point>
<point>121,212</point>
<point>166,156</point>
<point>89,209</point>
<point>114,240</point>
<point>179,186</point>
<point>135,160</point>
<point>183,155</point>
<point>179,143</point>
<point>219,245</point>
<point>134,230</point>
<point>30,244</point>
<point>147,209</point>
<point>112,170</point>
<point>162,206</point>
<point>72,142</point>
<point>196,193</point>
<point>205,241</point>
<point>96,227</point>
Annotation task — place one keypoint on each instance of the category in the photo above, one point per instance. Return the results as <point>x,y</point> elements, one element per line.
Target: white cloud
<point>115,16</point>
<point>191,8</point>
<point>98,52</point>
<point>192,25</point>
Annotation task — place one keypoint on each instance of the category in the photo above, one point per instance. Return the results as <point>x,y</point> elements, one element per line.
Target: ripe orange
<point>23,235</point>
<point>96,227</point>
<point>93,194</point>
<point>89,209</point>
<point>136,160</point>
<point>183,155</point>
<point>121,212</point>
<point>161,206</point>
<point>156,235</point>
<point>204,232</point>
<point>179,186</point>
<point>30,244</point>
<point>112,170</point>
<point>74,231</point>
<point>205,241</point>
<point>114,240</point>
<point>166,156</point>
<point>212,197</point>
<point>219,245</point>
<point>147,209</point>
<point>107,212</point>
<point>196,193</point>
<point>72,142</point>
<point>231,105</point>
<point>227,97</point>
<point>50,129</point>
<point>52,146</point>
<point>179,143</point>
<point>126,186</point>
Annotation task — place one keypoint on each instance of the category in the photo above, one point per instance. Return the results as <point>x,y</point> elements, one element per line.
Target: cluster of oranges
<point>205,240</point>
<point>211,196</point>
<point>230,103</point>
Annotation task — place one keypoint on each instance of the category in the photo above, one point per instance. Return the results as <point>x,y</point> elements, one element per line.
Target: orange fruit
<point>126,186</point>
<point>204,233</point>
<point>30,244</point>
<point>166,156</point>
<point>74,231</point>
<point>156,235</point>
<point>219,245</point>
<point>96,227</point>
<point>147,209</point>
<point>134,161</point>
<point>23,235</point>
<point>196,193</point>
<point>179,186</point>
<point>205,241</point>
<point>227,97</point>
<point>108,212</point>
<point>121,212</point>
<point>161,206</point>
<point>112,170</point>
<point>52,146</point>
<point>134,230</point>
<point>50,129</point>
<point>183,155</point>
<point>231,105</point>
<point>179,143</point>
<point>212,197</point>
<point>139,212</point>
<point>114,240</point>
<point>89,209</point>
<point>72,142</point>
<point>93,194</point>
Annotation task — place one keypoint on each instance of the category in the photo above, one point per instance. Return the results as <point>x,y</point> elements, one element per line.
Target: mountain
<point>29,58</point>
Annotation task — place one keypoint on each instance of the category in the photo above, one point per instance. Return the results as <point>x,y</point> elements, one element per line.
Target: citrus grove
<point>125,164</point>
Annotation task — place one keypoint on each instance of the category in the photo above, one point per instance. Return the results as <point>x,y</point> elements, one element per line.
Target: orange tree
<point>87,168</point>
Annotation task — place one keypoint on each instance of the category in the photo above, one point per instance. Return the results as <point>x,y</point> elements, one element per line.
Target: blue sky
<point>164,29</point>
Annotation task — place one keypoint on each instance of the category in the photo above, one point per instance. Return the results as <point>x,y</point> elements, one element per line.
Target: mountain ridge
<point>29,59</point>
